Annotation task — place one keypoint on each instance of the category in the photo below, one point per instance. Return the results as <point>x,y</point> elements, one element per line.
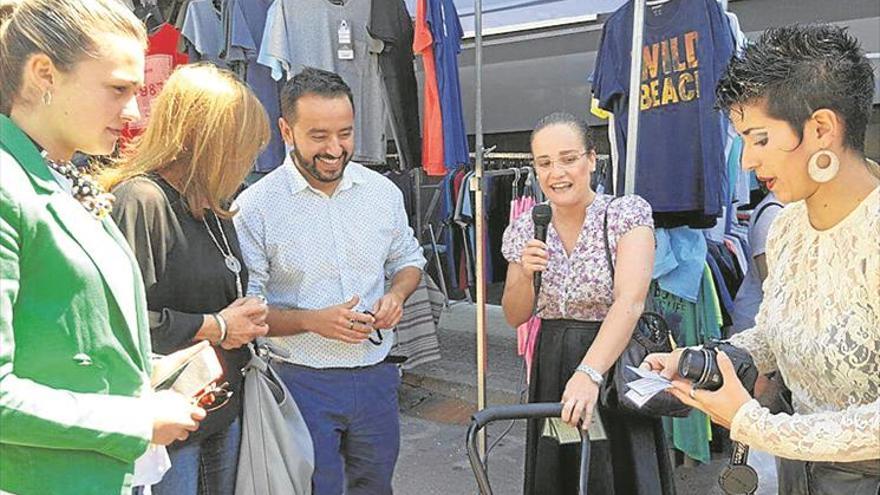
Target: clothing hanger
<point>149,13</point>
<point>514,193</point>
<point>529,190</point>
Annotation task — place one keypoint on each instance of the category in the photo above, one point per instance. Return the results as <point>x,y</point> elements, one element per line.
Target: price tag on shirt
<point>345,50</point>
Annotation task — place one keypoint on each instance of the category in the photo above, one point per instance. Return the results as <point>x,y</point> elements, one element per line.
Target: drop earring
<point>47,98</point>
<point>823,174</point>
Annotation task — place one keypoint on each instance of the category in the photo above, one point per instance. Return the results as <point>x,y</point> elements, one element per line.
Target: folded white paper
<point>646,387</point>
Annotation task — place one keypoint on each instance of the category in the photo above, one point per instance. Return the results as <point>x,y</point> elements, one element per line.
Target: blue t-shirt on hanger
<point>447,33</point>
<point>203,31</point>
<point>246,22</point>
<point>687,46</point>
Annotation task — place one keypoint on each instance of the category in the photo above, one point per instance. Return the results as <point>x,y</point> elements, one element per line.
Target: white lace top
<point>819,325</point>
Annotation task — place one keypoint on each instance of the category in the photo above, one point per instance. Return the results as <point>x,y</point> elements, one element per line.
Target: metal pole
<point>635,76</point>
<point>417,205</point>
<point>477,185</point>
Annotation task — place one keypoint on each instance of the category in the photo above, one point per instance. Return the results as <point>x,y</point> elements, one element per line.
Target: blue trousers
<point>204,468</point>
<point>352,414</point>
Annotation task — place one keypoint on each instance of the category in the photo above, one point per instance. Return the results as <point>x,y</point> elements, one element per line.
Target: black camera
<point>701,366</point>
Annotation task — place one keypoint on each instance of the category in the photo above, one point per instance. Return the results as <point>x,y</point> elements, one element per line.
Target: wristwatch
<point>590,372</point>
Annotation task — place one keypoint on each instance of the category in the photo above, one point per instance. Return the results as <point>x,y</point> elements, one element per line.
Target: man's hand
<point>174,417</point>
<point>342,323</point>
<point>388,311</point>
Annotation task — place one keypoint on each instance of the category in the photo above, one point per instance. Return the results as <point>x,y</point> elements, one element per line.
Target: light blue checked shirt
<point>306,250</point>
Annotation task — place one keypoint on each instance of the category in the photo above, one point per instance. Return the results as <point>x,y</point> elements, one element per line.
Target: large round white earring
<point>823,174</point>
<point>47,98</point>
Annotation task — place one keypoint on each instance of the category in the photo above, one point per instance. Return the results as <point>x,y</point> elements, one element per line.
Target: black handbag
<point>650,335</point>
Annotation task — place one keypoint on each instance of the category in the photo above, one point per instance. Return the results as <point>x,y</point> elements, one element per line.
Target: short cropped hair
<point>796,70</point>
<point>311,81</point>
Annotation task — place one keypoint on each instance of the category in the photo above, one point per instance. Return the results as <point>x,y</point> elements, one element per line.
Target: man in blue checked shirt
<point>321,235</point>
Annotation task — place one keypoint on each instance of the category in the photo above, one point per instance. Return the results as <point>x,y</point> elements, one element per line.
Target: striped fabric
<point>416,334</point>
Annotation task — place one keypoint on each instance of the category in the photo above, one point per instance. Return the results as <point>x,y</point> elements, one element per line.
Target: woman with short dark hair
<point>801,97</point>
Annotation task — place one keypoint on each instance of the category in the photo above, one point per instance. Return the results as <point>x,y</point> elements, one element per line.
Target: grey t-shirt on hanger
<point>304,33</point>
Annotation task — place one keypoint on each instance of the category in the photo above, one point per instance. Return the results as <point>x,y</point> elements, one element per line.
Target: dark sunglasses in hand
<point>378,331</point>
<point>214,397</point>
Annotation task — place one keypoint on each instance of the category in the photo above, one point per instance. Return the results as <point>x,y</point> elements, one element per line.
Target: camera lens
<point>701,367</point>
<point>692,364</point>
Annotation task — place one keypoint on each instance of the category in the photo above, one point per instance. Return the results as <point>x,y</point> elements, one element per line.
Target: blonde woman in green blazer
<point>75,407</point>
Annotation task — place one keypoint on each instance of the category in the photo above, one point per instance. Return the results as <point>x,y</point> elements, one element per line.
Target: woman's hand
<point>722,404</point>
<point>534,257</point>
<point>245,321</point>
<point>579,400</point>
<point>174,416</point>
<point>665,363</point>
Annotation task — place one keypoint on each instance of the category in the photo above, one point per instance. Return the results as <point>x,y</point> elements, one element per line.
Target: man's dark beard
<point>311,167</point>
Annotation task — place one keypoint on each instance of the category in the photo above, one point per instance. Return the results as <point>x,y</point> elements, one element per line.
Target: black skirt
<point>634,458</point>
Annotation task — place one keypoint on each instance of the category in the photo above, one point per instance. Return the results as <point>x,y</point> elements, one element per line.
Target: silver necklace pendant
<point>232,264</point>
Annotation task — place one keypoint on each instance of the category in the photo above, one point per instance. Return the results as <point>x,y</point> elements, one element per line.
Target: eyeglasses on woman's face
<point>565,160</point>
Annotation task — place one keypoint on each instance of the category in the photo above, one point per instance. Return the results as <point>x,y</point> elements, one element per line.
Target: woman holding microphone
<point>587,317</point>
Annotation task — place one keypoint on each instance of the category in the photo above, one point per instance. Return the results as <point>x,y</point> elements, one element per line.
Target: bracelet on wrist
<point>221,324</point>
<point>593,375</point>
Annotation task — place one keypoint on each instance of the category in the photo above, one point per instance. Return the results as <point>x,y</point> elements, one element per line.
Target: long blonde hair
<point>206,124</point>
<point>67,31</point>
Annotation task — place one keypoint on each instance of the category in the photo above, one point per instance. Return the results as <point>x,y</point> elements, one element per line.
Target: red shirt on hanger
<point>162,57</point>
<point>432,125</point>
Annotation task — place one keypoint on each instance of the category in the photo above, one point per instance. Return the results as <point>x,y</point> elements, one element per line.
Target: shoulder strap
<point>761,210</point>
<point>608,257</point>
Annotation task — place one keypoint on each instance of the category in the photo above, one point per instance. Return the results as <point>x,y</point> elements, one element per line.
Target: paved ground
<point>437,400</point>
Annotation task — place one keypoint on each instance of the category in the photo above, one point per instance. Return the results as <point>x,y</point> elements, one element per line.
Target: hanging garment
<point>447,33</point>
<point>432,142</point>
<point>447,210</point>
<point>687,45</point>
<point>204,33</point>
<point>690,324</point>
<point>724,296</point>
<point>162,57</point>
<point>246,20</point>
<point>527,333</point>
<point>391,23</point>
<point>465,223</point>
<point>307,33</point>
<point>678,266</point>
<point>416,333</point>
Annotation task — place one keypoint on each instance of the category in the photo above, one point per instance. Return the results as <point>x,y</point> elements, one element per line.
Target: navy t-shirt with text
<point>687,45</point>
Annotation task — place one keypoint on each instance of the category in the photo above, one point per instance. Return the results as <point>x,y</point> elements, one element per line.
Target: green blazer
<point>74,337</point>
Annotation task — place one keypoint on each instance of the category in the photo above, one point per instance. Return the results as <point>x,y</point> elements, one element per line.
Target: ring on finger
<point>351,325</point>
<point>693,393</point>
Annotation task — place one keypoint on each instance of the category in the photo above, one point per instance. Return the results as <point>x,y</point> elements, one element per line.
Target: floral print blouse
<point>579,286</point>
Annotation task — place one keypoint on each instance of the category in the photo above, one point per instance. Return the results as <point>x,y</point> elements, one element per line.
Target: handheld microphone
<point>541,216</point>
